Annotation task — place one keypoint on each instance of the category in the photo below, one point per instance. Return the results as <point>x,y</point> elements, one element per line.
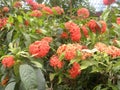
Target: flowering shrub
<point>43,47</point>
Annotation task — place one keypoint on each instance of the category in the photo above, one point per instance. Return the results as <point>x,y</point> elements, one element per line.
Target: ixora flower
<point>74,30</point>
<point>55,62</point>
<point>36,13</point>
<point>64,35</point>
<point>108,2</point>
<point>48,39</point>
<point>83,13</point>
<point>70,52</point>
<point>26,22</point>
<point>5,9</point>
<point>58,10</point>
<point>39,48</point>
<point>75,70</point>
<point>94,27</point>
<point>85,31</point>
<point>3,22</point>
<point>61,49</point>
<point>118,20</point>
<point>8,61</point>
<point>17,4</point>
<point>47,10</point>
<point>103,26</point>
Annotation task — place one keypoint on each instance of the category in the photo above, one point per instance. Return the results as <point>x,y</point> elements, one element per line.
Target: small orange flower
<point>83,13</point>
<point>94,27</point>
<point>103,26</point>
<point>85,31</point>
<point>17,4</point>
<point>8,61</point>
<point>36,13</point>
<point>118,20</point>
<point>6,9</point>
<point>108,2</point>
<point>48,39</point>
<point>47,10</point>
<point>4,81</point>
<point>64,35</point>
<point>55,62</point>
<point>58,10</point>
<point>75,70</point>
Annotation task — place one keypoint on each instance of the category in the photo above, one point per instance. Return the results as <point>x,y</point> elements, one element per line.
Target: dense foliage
<point>48,48</point>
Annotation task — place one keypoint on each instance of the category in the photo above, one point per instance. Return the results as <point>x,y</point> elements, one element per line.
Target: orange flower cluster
<point>8,61</point>
<point>3,22</point>
<point>64,35</point>
<point>55,62</point>
<point>85,31</point>
<point>34,5</point>
<point>36,13</point>
<point>39,48</point>
<point>44,9</point>
<point>74,30</point>
<point>47,10</point>
<point>17,4</point>
<point>118,20</point>
<point>68,53</point>
<point>5,9</point>
<point>110,50</point>
<point>75,70</point>
<point>58,10</point>
<point>108,2</point>
<point>95,27</point>
<point>83,13</point>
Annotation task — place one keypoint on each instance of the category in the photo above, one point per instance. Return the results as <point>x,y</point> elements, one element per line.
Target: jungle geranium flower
<point>61,49</point>
<point>100,46</point>
<point>30,2</point>
<point>83,13</point>
<point>70,52</point>
<point>103,26</point>
<point>17,4</point>
<point>41,5</point>
<point>75,70</point>
<point>64,35</point>
<point>26,22</point>
<point>39,48</point>
<point>35,6</point>
<point>3,22</point>
<point>74,30</point>
<point>8,61</point>
<point>58,10</point>
<point>75,34</point>
<point>113,51</point>
<point>118,20</point>
<point>85,31</point>
<point>5,9</point>
<point>47,10</point>
<point>108,2</point>
<point>55,62</point>
<point>94,27</point>
<point>48,39</point>
<point>69,25</point>
<point>36,13</point>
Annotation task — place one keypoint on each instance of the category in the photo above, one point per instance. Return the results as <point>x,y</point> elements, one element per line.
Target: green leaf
<point>37,64</point>
<point>27,39</point>
<point>10,86</point>
<point>86,63</point>
<point>20,19</point>
<point>40,80</point>
<point>9,36</point>
<point>105,14</point>
<point>28,77</point>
